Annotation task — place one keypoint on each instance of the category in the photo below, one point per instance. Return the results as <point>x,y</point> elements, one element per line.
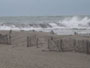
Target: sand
<point>19,56</point>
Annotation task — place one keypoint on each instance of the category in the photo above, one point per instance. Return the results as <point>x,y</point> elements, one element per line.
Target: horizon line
<point>45,15</point>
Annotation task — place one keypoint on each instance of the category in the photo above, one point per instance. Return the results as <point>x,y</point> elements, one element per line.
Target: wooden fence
<point>37,41</point>
<point>62,44</point>
<point>5,39</point>
<point>32,41</point>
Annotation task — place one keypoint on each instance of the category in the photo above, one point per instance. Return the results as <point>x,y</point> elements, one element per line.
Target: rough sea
<point>62,25</point>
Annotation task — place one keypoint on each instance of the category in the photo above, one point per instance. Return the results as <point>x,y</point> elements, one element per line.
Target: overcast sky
<point>44,7</point>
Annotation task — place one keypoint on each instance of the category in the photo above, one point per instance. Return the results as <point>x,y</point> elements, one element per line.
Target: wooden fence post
<point>9,39</point>
<point>74,45</point>
<point>28,41</point>
<point>77,48</point>
<point>87,48</point>
<point>48,43</point>
<point>4,41</point>
<point>58,45</point>
<point>37,42</point>
<point>84,45</point>
<point>61,45</point>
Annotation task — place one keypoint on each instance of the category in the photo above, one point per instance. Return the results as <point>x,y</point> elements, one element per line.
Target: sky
<point>44,7</point>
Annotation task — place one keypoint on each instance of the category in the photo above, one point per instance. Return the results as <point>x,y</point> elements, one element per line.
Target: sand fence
<point>69,44</point>
<point>61,44</point>
<point>37,41</point>
<point>5,38</point>
<point>50,42</point>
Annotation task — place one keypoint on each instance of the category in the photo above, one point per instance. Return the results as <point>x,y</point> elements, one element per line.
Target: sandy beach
<point>18,55</point>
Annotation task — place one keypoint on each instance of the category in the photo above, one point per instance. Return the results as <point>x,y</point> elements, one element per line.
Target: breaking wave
<point>57,24</point>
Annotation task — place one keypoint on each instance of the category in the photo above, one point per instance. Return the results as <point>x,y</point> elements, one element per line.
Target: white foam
<point>54,25</point>
<point>68,22</point>
<point>75,22</point>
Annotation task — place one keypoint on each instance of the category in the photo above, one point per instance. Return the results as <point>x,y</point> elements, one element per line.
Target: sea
<point>61,25</point>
